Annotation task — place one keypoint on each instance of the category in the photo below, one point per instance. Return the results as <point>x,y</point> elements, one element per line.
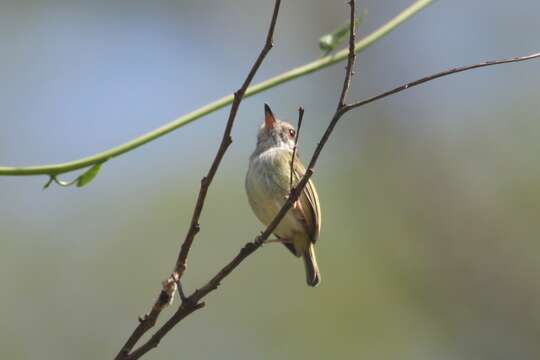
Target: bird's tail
<point>313,277</point>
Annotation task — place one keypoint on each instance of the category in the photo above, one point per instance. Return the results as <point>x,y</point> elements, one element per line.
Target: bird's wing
<point>307,206</point>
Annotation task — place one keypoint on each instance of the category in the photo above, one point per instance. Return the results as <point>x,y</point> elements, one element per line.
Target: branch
<point>439,75</point>
<point>350,58</point>
<point>56,169</point>
<point>298,127</point>
<point>169,286</point>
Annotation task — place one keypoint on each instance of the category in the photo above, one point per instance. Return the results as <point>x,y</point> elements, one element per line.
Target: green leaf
<point>330,41</point>
<point>88,176</point>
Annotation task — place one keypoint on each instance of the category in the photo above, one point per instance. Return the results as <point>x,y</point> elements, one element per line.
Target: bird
<point>268,185</point>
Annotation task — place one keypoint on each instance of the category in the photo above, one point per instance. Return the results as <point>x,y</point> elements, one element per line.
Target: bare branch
<point>300,117</point>
<point>439,75</point>
<point>169,286</point>
<point>350,58</point>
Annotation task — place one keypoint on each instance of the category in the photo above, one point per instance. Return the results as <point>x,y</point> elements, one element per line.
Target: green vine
<point>53,170</point>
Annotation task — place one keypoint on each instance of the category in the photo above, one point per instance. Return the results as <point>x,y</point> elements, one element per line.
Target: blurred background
<point>431,198</point>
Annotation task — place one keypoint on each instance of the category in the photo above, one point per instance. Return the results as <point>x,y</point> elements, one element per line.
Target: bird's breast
<point>267,187</point>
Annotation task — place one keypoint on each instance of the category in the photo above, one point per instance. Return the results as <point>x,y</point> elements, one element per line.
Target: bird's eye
<point>292,133</point>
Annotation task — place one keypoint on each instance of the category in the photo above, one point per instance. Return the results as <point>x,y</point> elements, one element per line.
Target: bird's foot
<point>295,204</point>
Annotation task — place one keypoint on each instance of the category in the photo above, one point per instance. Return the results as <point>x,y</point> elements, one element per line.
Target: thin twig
<point>169,286</point>
<point>439,75</point>
<point>300,117</point>
<point>350,58</point>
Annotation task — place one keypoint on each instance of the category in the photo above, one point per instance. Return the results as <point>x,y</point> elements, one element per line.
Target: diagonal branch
<point>225,143</point>
<point>439,75</point>
<point>169,286</point>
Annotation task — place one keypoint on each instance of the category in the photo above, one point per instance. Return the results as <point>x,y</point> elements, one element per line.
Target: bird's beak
<point>269,119</point>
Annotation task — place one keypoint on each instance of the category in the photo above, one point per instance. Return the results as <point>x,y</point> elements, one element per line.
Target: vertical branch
<point>350,57</point>
<point>300,117</point>
<point>341,108</point>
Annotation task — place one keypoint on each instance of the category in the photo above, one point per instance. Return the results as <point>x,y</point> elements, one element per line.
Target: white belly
<point>267,190</point>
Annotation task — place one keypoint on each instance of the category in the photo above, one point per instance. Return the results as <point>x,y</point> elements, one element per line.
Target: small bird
<point>268,187</point>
